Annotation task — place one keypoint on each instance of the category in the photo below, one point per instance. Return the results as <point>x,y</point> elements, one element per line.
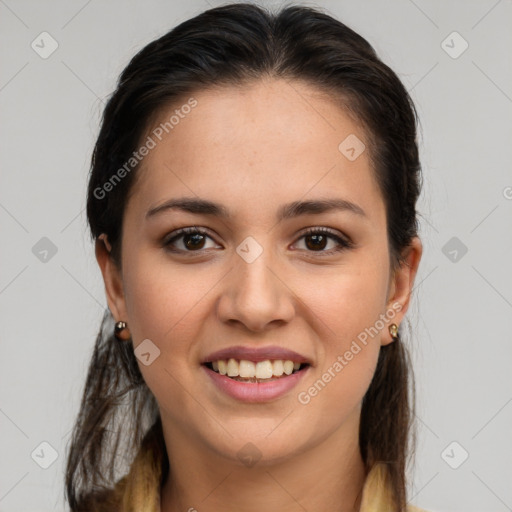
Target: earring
<point>393,330</point>
<point>121,331</point>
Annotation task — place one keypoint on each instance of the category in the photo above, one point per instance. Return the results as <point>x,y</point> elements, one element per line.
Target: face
<point>262,281</point>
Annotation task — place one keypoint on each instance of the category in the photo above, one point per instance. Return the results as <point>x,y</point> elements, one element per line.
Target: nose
<point>255,295</point>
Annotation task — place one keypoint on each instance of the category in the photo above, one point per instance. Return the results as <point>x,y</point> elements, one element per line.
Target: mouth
<point>255,371</point>
<point>255,381</point>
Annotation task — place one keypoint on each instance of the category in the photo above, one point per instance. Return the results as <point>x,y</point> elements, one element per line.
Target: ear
<point>401,285</point>
<point>112,278</point>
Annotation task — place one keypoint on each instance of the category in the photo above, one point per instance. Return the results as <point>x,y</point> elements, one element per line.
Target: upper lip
<point>256,354</point>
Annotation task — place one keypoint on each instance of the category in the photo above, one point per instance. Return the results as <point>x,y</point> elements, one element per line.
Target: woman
<point>252,201</point>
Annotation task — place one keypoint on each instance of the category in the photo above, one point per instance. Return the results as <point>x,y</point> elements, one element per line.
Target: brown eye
<point>194,241</point>
<point>315,242</point>
<point>190,239</point>
<point>317,239</point>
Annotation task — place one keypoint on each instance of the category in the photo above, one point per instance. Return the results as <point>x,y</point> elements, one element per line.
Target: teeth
<point>259,370</point>
<point>247,368</point>
<point>264,370</point>
<point>278,368</point>
<point>233,368</point>
<point>223,367</point>
<point>288,367</point>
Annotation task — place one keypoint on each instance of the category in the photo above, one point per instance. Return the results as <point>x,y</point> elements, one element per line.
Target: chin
<point>259,443</point>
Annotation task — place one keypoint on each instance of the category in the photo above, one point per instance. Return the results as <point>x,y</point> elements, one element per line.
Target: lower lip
<point>255,391</point>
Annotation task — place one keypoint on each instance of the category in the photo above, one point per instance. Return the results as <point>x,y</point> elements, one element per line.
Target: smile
<point>255,381</point>
<point>255,371</point>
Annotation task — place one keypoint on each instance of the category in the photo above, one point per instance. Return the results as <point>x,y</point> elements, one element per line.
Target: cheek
<point>161,297</point>
<point>347,307</point>
<point>337,392</point>
<point>347,300</point>
<point>167,304</point>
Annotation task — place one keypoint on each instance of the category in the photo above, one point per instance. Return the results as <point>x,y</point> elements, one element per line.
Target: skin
<point>253,149</point>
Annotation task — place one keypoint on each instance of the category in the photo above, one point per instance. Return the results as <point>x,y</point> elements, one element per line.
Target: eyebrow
<point>287,211</point>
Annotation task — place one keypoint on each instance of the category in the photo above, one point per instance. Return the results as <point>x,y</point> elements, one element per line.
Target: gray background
<point>51,304</point>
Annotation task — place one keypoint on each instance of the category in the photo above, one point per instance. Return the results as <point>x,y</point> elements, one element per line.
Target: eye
<point>192,240</point>
<point>316,240</point>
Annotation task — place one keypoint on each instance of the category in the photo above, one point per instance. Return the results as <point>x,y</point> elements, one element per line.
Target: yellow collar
<point>377,492</point>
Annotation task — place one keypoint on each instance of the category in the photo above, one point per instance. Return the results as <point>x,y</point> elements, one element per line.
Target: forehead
<point>250,146</point>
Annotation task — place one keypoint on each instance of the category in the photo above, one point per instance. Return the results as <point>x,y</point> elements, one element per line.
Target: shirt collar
<point>376,490</point>
<point>377,495</point>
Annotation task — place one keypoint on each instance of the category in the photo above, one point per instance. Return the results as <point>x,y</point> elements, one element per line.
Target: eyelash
<point>343,243</point>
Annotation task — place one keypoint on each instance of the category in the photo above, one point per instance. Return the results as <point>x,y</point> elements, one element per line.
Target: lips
<point>262,391</point>
<point>255,374</point>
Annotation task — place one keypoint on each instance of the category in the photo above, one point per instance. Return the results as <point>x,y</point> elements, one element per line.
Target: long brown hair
<point>117,437</point>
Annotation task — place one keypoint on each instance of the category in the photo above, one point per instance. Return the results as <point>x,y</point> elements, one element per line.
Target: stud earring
<point>393,330</point>
<point>121,331</point>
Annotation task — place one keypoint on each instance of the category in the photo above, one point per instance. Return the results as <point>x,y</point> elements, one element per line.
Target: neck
<point>329,476</point>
